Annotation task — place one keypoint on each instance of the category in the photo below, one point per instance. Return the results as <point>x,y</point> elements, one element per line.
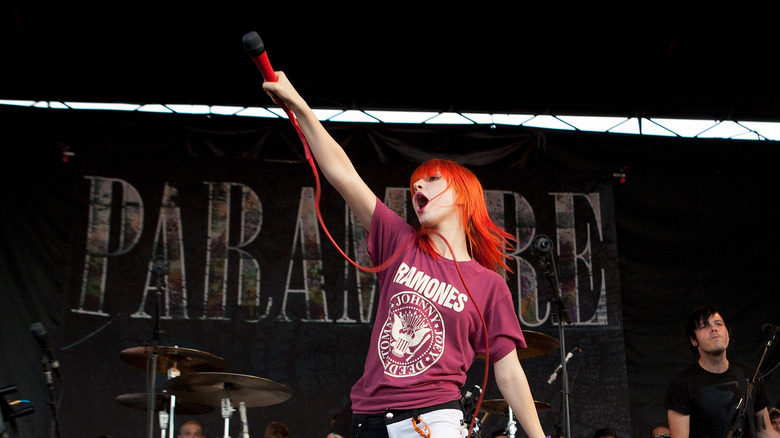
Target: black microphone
<point>160,265</point>
<point>770,329</point>
<point>541,244</point>
<point>557,371</point>
<point>39,332</point>
<point>256,49</point>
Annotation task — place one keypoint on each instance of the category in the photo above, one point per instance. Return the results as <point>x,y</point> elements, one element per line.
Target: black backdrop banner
<point>229,209</point>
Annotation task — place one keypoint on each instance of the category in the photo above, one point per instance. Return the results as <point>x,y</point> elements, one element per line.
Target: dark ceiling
<point>496,61</point>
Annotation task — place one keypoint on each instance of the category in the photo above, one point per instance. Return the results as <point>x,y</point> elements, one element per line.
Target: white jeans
<point>443,423</point>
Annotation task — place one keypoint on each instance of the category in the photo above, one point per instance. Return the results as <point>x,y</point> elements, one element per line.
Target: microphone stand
<point>52,399</point>
<point>736,421</point>
<point>159,270</point>
<point>542,246</point>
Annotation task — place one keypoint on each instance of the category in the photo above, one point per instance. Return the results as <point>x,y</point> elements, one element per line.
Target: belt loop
<point>416,414</point>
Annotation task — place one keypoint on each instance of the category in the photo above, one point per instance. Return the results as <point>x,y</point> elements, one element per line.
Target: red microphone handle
<point>265,67</point>
<point>256,49</point>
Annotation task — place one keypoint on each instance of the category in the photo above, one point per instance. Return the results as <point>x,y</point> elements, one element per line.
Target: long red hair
<point>487,243</point>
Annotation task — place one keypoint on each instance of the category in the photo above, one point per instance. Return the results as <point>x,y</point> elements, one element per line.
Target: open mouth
<point>421,201</point>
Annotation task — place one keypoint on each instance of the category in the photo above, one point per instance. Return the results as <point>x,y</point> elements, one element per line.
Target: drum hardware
<point>173,410</point>
<point>174,361</point>
<point>227,412</point>
<point>210,388</point>
<point>163,419</point>
<point>538,344</point>
<point>244,423</point>
<point>196,384</point>
<point>138,401</point>
<point>223,389</point>
<point>469,403</point>
<point>159,269</point>
<point>171,361</point>
<point>501,407</point>
<point>511,424</point>
<point>476,431</point>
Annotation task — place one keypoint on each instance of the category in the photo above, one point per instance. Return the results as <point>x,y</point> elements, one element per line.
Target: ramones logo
<point>412,337</point>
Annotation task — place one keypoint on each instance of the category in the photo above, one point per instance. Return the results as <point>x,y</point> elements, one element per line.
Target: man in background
<point>702,400</point>
<point>190,429</point>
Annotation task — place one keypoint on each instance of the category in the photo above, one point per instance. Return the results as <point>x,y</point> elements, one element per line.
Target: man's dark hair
<point>277,429</point>
<point>699,316</point>
<point>605,433</point>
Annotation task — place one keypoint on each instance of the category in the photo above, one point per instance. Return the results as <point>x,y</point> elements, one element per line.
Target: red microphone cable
<point>484,331</point>
<point>256,49</point>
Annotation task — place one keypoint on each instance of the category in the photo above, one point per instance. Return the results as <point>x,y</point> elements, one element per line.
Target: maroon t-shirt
<point>428,331</point>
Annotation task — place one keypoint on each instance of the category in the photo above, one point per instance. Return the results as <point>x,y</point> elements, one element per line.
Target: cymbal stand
<point>542,246</point>
<point>468,403</point>
<point>173,372</point>
<point>476,430</point>
<point>163,417</point>
<point>227,412</point>
<point>159,270</point>
<point>511,424</point>
<point>245,426</point>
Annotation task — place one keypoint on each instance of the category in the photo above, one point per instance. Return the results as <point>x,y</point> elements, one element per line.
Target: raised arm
<point>513,384</point>
<point>331,158</point>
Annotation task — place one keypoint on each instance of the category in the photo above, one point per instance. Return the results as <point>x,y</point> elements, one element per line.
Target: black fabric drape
<point>694,221</point>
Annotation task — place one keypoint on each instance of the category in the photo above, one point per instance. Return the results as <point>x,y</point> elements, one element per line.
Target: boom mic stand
<point>52,399</point>
<point>735,428</point>
<point>159,271</point>
<point>542,246</point>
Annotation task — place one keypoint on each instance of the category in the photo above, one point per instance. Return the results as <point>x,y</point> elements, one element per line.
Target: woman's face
<point>433,200</point>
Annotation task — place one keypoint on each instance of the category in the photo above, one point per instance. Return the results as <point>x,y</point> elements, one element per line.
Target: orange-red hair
<point>487,243</point>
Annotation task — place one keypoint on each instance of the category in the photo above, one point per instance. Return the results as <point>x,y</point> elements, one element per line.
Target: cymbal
<point>500,406</point>
<point>210,388</point>
<point>139,400</point>
<point>537,343</point>
<point>186,360</point>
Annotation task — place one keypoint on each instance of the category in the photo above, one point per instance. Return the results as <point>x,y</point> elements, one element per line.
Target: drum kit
<point>537,344</point>
<point>197,383</point>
